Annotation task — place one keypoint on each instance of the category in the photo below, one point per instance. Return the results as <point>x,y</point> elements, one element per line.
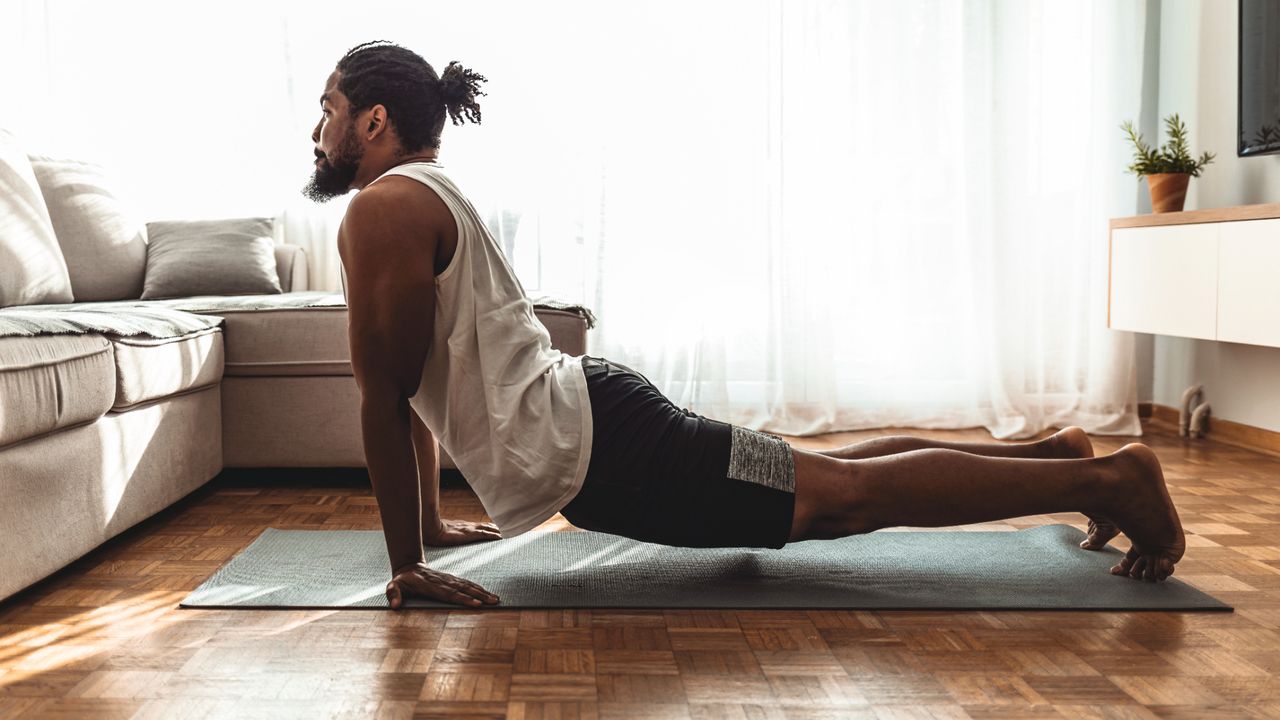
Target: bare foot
<point>1146,515</point>
<point>1101,531</point>
<point>1073,442</point>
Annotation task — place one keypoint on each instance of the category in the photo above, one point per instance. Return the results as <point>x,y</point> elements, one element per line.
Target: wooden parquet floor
<point>104,637</point>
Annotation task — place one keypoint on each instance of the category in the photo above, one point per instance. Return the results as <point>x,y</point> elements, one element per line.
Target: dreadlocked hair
<point>459,87</point>
<point>417,100</point>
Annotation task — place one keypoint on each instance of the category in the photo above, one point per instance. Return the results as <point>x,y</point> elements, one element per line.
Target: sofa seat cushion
<point>305,333</point>
<point>296,341</point>
<point>313,340</point>
<point>148,368</point>
<point>50,382</point>
<point>293,333</point>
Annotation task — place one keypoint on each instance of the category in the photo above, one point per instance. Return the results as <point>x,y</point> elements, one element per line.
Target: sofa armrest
<point>568,330</point>
<point>291,266</point>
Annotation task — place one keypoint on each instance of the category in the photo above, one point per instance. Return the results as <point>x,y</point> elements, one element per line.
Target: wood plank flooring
<point>104,637</point>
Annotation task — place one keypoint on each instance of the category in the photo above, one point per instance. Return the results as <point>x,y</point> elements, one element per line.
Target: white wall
<point>1198,80</point>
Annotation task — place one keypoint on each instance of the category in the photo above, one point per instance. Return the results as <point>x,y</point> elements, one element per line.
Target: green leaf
<point>1172,157</point>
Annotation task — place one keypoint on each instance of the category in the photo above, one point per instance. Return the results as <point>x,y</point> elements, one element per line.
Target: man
<point>446,351</point>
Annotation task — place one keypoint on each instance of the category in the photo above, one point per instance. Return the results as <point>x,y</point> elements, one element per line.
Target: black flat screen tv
<point>1259,111</point>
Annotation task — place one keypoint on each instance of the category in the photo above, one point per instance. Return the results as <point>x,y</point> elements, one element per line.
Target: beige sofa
<point>288,396</point>
<point>98,431</point>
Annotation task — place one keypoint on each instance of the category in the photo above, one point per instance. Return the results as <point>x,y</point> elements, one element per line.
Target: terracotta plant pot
<point>1168,191</point>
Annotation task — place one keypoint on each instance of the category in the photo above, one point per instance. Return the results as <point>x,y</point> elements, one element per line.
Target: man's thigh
<point>825,498</point>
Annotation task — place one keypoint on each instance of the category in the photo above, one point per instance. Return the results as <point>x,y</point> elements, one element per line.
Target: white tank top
<point>512,412</point>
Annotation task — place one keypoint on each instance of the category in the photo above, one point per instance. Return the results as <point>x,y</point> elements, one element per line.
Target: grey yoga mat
<point>1036,569</point>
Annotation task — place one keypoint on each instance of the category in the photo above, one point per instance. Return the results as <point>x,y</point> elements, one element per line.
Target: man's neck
<point>376,170</point>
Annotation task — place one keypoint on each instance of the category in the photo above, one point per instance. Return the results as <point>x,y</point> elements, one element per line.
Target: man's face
<point>338,151</point>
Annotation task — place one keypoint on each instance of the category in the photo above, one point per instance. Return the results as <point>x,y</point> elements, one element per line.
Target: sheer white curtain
<point>809,216</point>
<point>794,215</point>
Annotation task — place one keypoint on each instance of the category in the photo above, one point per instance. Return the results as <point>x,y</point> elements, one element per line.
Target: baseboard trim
<point>1218,430</point>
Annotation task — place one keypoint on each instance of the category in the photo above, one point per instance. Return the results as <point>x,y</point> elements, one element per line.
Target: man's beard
<point>334,174</point>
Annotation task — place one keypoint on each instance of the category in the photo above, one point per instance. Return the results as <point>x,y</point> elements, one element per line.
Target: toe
<point>1094,542</point>
<point>1126,563</point>
<point>1099,535</point>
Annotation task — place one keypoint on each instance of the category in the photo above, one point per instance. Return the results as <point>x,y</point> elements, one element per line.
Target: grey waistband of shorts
<point>762,459</point>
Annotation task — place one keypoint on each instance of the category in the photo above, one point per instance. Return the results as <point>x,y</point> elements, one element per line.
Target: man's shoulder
<point>403,197</point>
<point>397,205</point>
<point>382,226</point>
<point>394,194</point>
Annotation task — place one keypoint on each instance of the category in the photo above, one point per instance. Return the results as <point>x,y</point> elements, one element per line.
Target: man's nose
<point>315,134</point>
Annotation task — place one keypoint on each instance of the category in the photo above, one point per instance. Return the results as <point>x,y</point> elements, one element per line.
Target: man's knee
<point>829,502</point>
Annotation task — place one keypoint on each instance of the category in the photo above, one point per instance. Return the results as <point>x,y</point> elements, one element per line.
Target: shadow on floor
<point>318,477</point>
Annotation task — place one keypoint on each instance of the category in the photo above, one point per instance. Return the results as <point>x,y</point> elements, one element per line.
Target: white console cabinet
<point>1208,274</point>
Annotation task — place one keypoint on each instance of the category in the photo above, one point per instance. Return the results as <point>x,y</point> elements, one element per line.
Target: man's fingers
<point>470,598</point>
<point>449,594</point>
<point>467,589</point>
<point>440,586</point>
<point>463,535</point>
<point>479,593</point>
<point>466,598</point>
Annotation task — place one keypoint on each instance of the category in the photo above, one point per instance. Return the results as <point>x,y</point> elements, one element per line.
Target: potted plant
<point>1168,168</point>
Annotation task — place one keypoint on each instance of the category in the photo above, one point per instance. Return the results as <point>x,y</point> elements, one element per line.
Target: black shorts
<point>663,474</point>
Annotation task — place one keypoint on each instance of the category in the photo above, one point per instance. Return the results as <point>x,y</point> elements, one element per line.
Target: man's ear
<point>375,122</point>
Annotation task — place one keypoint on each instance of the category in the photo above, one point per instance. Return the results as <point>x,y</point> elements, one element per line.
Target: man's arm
<point>428,452</point>
<point>388,255</point>
<point>388,240</point>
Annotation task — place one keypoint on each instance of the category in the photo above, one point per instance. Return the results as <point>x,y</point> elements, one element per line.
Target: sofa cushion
<point>293,333</point>
<point>51,382</point>
<point>306,333</point>
<point>287,341</point>
<point>210,257</point>
<point>104,245</point>
<point>150,368</point>
<point>32,268</point>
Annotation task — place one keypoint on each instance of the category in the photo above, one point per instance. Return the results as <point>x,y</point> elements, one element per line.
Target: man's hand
<point>459,532</point>
<point>418,580</point>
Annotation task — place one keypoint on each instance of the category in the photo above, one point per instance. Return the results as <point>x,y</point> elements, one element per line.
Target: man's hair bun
<point>459,88</point>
